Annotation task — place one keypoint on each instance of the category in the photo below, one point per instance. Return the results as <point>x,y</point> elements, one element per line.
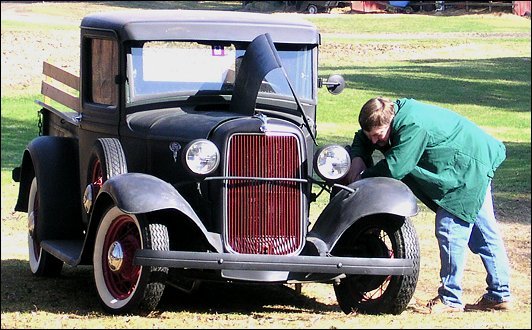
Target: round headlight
<point>332,162</point>
<point>201,156</point>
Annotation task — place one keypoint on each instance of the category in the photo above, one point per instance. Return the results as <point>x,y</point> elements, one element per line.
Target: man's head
<point>375,118</point>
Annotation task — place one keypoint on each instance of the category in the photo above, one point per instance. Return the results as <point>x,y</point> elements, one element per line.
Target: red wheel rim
<point>378,292</point>
<point>122,282</point>
<point>97,174</point>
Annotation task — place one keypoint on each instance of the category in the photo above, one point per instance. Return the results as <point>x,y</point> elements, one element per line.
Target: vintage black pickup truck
<point>186,152</point>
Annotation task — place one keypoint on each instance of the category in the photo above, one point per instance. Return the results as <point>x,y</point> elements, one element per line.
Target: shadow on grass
<point>215,297</point>
<point>512,185</point>
<point>74,292</point>
<point>496,82</point>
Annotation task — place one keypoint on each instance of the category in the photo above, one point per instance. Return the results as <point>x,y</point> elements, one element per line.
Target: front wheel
<point>380,236</point>
<point>123,286</point>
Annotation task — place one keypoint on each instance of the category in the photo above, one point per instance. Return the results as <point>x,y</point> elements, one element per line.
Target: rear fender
<point>138,193</point>
<point>54,161</point>
<point>369,196</point>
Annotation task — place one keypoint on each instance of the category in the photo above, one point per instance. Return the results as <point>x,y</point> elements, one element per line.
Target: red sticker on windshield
<point>218,51</point>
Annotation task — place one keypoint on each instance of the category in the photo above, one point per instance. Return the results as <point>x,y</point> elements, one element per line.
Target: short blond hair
<point>376,112</point>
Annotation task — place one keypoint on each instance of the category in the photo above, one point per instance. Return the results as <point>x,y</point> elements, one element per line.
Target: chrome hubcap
<point>88,197</point>
<point>115,256</point>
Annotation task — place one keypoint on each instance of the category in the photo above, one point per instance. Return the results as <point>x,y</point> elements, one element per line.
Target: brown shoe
<point>485,304</point>
<point>436,306</point>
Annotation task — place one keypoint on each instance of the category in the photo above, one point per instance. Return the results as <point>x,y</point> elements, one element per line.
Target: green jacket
<point>444,158</point>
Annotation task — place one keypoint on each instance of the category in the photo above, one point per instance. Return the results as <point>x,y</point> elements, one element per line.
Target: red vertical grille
<point>264,217</point>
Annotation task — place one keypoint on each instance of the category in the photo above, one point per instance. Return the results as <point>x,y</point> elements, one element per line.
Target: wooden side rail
<point>56,94</point>
<point>61,75</point>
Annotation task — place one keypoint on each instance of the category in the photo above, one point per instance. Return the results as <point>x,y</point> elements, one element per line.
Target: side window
<point>104,68</point>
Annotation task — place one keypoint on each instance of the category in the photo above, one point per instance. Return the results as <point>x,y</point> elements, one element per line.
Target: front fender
<point>136,193</point>
<point>370,196</point>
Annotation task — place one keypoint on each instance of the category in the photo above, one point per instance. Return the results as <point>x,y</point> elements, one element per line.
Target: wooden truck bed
<point>60,108</point>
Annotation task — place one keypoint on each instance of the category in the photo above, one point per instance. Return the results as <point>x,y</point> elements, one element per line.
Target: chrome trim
<point>255,178</point>
<point>264,126</point>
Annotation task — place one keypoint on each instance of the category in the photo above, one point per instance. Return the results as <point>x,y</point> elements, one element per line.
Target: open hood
<point>260,58</point>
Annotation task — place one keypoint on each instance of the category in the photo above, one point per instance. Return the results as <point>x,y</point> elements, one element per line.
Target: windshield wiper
<point>299,106</point>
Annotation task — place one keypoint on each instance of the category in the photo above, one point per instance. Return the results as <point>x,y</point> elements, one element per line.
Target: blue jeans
<point>484,239</point>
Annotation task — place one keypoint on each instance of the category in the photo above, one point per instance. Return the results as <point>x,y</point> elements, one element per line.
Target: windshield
<point>162,69</point>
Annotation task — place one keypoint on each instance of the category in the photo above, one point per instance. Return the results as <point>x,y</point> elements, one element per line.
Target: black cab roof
<point>202,25</point>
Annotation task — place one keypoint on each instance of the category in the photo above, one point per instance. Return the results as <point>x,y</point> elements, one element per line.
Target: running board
<point>67,251</point>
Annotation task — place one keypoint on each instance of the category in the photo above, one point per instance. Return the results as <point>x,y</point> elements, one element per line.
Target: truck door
<point>99,93</point>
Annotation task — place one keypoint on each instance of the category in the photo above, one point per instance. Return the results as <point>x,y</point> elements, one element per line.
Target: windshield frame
<point>292,55</point>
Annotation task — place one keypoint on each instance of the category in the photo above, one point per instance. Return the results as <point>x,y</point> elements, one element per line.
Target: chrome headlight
<point>201,156</point>
<point>332,162</point>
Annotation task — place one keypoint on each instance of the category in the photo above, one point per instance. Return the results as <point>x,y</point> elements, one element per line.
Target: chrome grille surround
<point>264,216</point>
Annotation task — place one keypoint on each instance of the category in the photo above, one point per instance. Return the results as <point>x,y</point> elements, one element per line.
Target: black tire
<point>312,9</point>
<point>107,160</point>
<point>41,262</point>
<point>378,237</point>
<point>123,287</point>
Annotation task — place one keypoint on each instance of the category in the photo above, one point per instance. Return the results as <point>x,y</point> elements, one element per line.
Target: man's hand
<point>357,167</point>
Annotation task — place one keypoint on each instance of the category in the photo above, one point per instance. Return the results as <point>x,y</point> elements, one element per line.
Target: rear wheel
<point>123,286</point>
<point>378,237</point>
<point>42,263</point>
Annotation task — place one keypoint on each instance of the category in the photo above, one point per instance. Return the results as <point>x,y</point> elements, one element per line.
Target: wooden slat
<point>60,96</point>
<point>61,75</point>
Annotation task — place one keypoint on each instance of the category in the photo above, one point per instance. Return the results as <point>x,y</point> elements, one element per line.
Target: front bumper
<point>298,264</point>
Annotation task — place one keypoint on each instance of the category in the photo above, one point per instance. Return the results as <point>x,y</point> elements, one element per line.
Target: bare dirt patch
<point>24,51</point>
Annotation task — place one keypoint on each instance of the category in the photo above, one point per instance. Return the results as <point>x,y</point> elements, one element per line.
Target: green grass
<point>19,126</point>
<point>486,91</point>
<point>419,23</point>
